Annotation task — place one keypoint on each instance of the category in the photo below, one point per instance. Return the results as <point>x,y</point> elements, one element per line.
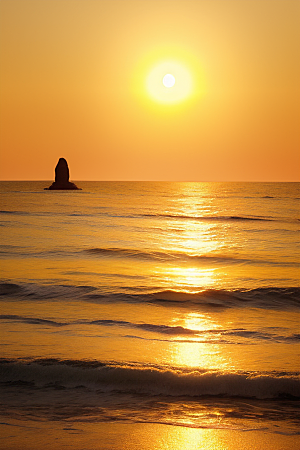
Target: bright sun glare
<point>168,80</point>
<point>168,77</point>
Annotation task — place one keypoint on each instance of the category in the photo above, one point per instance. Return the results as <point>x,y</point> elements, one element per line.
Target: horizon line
<point>160,181</point>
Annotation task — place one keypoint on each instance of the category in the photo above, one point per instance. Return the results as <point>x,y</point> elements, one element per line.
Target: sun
<point>169,81</point>
<point>168,78</point>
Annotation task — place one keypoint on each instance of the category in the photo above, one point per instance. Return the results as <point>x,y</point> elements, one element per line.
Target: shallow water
<point>168,303</point>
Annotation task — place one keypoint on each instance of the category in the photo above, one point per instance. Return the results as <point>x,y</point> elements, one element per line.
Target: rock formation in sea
<point>62,177</point>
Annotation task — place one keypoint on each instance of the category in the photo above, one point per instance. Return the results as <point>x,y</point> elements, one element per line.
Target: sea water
<point>153,302</point>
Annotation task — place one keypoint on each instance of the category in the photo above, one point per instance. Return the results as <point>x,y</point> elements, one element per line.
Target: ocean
<point>173,304</point>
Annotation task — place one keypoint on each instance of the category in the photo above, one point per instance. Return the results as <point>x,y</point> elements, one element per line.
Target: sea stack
<point>62,177</point>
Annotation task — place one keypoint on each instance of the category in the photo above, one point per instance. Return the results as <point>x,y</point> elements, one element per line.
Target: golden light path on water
<point>188,279</point>
<point>204,354</point>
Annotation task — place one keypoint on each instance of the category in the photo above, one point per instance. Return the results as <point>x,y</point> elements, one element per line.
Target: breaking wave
<point>149,380</point>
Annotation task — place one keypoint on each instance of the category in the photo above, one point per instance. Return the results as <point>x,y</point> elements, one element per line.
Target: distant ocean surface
<point>153,302</point>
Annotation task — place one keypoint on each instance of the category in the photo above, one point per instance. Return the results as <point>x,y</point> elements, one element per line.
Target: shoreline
<point>76,435</point>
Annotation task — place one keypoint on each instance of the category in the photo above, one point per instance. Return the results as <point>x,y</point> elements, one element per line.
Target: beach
<point>152,315</point>
<point>138,436</point>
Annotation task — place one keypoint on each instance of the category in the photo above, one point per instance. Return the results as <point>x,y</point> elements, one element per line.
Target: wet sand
<point>35,435</point>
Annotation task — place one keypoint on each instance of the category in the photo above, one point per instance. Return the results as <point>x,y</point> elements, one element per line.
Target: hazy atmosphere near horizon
<point>149,221</point>
<point>84,80</point>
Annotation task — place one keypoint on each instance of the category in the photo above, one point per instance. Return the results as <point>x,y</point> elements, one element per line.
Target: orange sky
<point>74,77</point>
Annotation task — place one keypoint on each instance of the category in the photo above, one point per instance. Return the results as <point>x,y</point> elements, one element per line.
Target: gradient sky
<point>75,80</point>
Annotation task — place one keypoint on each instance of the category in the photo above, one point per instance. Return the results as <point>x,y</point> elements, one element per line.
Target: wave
<point>149,380</point>
<point>132,253</point>
<point>105,213</point>
<point>31,320</point>
<point>164,256</point>
<point>20,213</point>
<point>34,291</point>
<point>212,218</point>
<point>161,255</point>
<point>228,336</point>
<point>273,298</point>
<point>171,256</point>
<point>172,216</point>
<point>266,298</point>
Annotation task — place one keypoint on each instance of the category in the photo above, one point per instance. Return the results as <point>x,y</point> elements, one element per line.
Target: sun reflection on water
<point>199,322</point>
<point>188,438</point>
<point>200,350</point>
<point>195,243</point>
<point>192,238</point>
<point>187,279</point>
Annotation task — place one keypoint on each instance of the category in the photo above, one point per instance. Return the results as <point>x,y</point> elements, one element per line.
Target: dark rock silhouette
<point>62,177</point>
